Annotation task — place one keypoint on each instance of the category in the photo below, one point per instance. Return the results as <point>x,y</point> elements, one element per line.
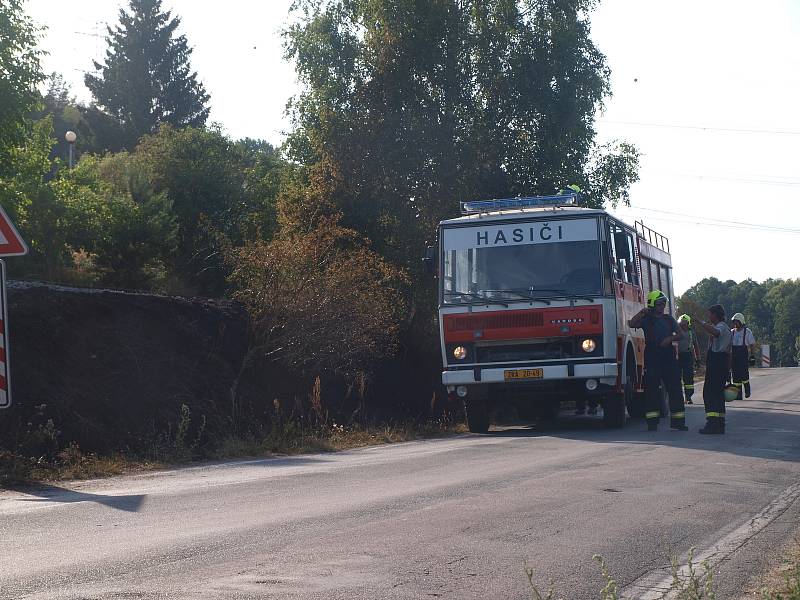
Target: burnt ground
<point>119,372</point>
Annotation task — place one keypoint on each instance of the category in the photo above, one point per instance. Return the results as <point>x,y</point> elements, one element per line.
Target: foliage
<point>29,197</point>
<point>412,106</point>
<point>320,301</point>
<point>59,103</point>
<point>20,73</point>
<point>688,583</point>
<point>220,192</point>
<point>127,227</point>
<point>772,310</point>
<point>146,78</point>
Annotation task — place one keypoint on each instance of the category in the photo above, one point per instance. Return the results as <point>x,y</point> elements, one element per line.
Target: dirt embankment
<point>136,373</point>
<point>111,370</point>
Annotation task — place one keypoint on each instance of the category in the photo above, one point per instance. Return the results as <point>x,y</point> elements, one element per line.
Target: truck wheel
<point>614,410</point>
<point>636,408</point>
<point>635,401</point>
<point>616,403</point>
<point>477,411</point>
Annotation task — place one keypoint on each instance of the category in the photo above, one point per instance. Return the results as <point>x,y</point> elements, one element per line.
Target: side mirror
<point>429,260</point>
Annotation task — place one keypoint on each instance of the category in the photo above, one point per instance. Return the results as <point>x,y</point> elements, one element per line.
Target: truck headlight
<point>588,345</point>
<point>459,353</point>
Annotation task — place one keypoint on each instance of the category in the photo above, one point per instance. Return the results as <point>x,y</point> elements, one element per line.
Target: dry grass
<point>782,582</point>
<point>71,463</point>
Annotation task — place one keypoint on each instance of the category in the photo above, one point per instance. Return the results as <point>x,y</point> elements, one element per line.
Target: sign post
<point>766,361</point>
<point>5,373</point>
<point>11,244</point>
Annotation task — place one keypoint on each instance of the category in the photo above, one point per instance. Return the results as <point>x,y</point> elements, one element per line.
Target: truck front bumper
<point>605,372</point>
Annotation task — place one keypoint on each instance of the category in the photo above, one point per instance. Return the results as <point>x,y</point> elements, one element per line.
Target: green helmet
<point>654,297</point>
<point>686,318</point>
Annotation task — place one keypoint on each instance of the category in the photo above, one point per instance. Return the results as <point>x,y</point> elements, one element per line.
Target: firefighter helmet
<point>654,297</point>
<point>738,317</point>
<point>686,318</point>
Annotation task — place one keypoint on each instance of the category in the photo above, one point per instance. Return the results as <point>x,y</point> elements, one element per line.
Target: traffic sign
<point>11,243</point>
<point>5,372</point>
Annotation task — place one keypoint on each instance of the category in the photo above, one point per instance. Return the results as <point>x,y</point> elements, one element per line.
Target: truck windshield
<point>533,259</point>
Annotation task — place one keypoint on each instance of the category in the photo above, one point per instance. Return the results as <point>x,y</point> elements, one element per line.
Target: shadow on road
<point>745,437</point>
<point>52,493</point>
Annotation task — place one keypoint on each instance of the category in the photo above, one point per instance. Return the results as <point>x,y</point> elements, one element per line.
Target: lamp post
<point>70,136</point>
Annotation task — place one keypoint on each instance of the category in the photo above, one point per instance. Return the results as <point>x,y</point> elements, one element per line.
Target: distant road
<point>453,518</point>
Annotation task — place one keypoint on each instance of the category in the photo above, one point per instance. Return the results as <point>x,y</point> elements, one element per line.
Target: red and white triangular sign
<point>11,243</point>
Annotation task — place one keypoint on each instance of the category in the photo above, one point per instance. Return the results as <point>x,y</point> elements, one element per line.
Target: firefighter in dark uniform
<point>688,356</point>
<point>742,342</point>
<point>717,369</point>
<point>661,330</point>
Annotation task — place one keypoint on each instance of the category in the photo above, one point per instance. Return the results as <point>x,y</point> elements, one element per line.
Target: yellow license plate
<point>523,374</point>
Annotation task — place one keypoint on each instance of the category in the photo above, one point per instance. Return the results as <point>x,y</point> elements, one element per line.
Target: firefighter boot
<point>746,389</point>
<point>678,424</point>
<point>713,426</point>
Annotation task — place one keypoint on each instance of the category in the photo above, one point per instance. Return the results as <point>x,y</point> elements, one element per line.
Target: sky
<point>706,90</point>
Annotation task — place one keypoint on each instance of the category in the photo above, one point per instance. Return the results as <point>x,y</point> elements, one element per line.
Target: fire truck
<point>535,295</point>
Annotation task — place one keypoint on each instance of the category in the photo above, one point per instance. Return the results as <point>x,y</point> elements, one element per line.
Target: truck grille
<point>527,352</point>
<point>496,321</point>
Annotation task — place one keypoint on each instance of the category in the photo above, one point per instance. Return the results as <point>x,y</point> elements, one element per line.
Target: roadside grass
<point>785,584</point>
<point>691,581</point>
<point>288,438</point>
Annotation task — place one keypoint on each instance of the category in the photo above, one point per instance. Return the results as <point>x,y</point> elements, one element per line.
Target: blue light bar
<point>481,206</point>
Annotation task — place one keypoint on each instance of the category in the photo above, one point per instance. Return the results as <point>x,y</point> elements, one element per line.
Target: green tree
<point>20,73</point>
<point>113,213</point>
<point>28,195</point>
<point>221,192</point>
<point>147,78</point>
<point>410,106</point>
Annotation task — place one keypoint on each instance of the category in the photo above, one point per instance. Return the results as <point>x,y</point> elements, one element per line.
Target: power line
<point>713,222</point>
<point>702,127</point>
<point>725,178</point>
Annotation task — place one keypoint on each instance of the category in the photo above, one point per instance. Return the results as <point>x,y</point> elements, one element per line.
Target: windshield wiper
<point>482,299</point>
<point>523,294</point>
<point>565,293</point>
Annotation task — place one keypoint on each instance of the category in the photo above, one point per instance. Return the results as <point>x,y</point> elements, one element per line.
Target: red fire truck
<point>534,301</point>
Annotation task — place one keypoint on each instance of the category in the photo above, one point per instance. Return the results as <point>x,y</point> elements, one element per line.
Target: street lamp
<point>70,136</point>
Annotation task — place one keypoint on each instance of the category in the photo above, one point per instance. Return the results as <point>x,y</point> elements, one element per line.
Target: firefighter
<point>661,330</point>
<point>688,356</point>
<point>717,369</point>
<point>742,342</point>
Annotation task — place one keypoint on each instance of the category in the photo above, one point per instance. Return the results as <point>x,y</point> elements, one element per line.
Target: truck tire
<point>477,412</point>
<point>616,403</point>
<point>634,400</point>
<point>614,411</point>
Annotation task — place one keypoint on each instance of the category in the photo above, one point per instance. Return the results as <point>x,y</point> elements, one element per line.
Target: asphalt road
<point>451,518</point>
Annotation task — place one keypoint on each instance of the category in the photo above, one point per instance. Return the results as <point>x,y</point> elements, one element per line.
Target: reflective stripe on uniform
<point>713,414</point>
<point>678,415</point>
<point>748,381</point>
<point>688,387</point>
<point>738,383</point>
<point>653,415</point>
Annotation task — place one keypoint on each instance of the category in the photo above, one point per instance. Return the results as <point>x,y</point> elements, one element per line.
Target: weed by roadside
<point>288,437</point>
<point>789,588</point>
<point>689,582</point>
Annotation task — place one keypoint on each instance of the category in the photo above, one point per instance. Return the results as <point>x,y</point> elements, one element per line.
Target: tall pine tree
<point>147,78</point>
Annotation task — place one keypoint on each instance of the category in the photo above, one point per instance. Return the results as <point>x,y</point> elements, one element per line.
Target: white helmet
<point>738,317</point>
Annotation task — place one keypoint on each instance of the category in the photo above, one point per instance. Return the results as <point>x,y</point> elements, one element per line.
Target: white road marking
<point>655,585</point>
